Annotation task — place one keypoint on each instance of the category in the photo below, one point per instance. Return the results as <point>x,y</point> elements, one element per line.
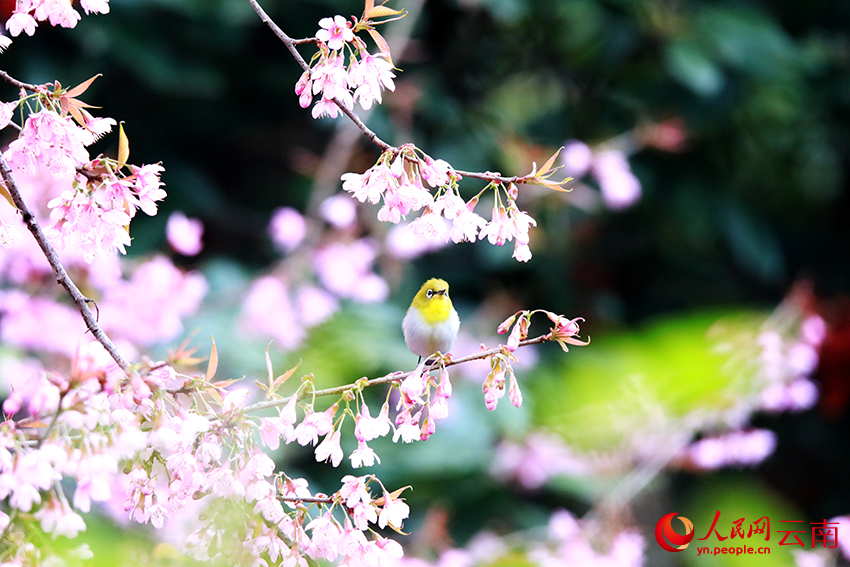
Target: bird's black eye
<point>429,294</point>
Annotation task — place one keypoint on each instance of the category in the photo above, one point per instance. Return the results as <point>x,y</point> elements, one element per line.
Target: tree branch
<point>392,377</point>
<point>21,85</point>
<point>373,137</point>
<point>61,275</point>
<point>311,499</point>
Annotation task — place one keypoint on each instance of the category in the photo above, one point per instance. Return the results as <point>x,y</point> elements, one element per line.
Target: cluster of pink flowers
<point>403,180</point>
<point>341,269</point>
<point>737,448</point>
<point>609,166</point>
<point>37,322</point>
<point>787,363</point>
<point>190,456</point>
<point>90,203</point>
<point>360,82</point>
<point>28,12</point>
<point>565,541</point>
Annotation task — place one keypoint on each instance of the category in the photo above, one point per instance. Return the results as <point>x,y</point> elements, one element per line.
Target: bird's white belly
<point>424,339</point>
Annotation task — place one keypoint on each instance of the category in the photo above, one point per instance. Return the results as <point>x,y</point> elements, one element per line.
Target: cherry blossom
<point>184,234</point>
<point>335,32</point>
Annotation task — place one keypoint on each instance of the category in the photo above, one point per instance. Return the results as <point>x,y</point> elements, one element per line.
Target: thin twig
<point>392,377</point>
<point>58,269</point>
<point>493,177</point>
<point>373,137</point>
<point>311,499</point>
<point>21,85</point>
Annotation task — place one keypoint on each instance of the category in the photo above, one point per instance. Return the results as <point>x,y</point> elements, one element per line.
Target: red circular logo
<point>664,533</point>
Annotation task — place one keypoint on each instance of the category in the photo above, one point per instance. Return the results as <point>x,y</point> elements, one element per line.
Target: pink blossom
<point>330,449</point>
<point>20,22</point>
<point>93,481</point>
<point>271,430</point>
<point>338,210</point>
<point>368,428</point>
<point>414,386</point>
<point>354,490</point>
<point>315,424</point>
<point>127,309</point>
<point>620,188</point>
<point>50,141</point>
<point>392,549</point>
<point>735,448</point>
<point>234,399</point>
<point>287,229</point>
<point>403,243</point>
<point>393,512</point>
<point>500,228</point>
<point>368,77</point>
<point>304,90</point>
<point>438,173</point>
<point>813,330</point>
<point>359,186</point>
<point>522,253</point>
<point>427,428</point>
<point>267,310</point>
<point>364,514</point>
<point>334,32</point>
<point>325,107</point>
<point>577,158</point>
<point>39,323</point>
<point>407,429</point>
<point>363,456</point>
<point>58,519</point>
<point>325,538</point>
<point>315,305</point>
<point>344,270</point>
<point>294,488</point>
<point>513,391</point>
<point>394,208</point>
<point>430,227</point>
<point>96,6</point>
<point>7,110</point>
<point>79,219</point>
<point>148,187</point>
<point>59,13</point>
<point>412,195</point>
<point>184,234</point>
<point>269,542</point>
<point>466,226</point>
<point>259,466</point>
<point>802,358</point>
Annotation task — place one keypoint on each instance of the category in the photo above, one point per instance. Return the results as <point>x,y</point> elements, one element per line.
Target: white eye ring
<point>429,294</point>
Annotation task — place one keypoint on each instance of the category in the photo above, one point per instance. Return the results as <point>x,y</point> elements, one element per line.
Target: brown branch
<point>21,85</point>
<point>311,499</point>
<point>61,275</point>
<point>491,176</point>
<point>290,45</point>
<point>392,377</point>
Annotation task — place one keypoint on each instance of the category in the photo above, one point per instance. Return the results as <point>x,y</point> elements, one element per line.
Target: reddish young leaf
<point>81,88</point>
<point>213,364</point>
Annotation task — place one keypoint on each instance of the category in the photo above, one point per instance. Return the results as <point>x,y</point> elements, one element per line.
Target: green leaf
<point>690,65</point>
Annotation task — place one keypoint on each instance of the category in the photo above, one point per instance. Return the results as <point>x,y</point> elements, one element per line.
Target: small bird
<point>431,323</point>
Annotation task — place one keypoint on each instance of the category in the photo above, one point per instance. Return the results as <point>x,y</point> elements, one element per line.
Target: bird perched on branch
<point>431,323</point>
